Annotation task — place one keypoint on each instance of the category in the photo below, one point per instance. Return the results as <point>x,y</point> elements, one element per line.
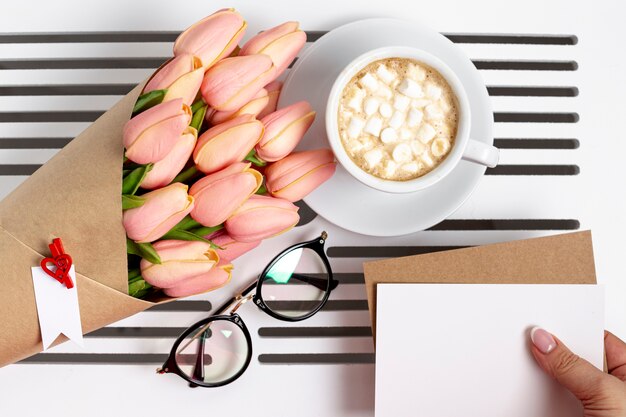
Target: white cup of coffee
<point>398,120</point>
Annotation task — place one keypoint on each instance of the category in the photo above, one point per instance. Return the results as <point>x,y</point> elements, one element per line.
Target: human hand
<point>602,395</point>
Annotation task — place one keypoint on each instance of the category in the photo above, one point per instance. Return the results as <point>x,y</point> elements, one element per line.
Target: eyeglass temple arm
<point>319,283</point>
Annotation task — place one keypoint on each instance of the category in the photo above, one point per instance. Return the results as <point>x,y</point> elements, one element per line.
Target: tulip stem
<point>186,174</point>
<point>139,288</point>
<point>252,157</point>
<point>147,100</point>
<point>205,231</point>
<point>132,181</point>
<point>187,223</point>
<point>145,250</point>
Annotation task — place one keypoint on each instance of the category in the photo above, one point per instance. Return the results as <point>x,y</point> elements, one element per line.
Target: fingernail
<point>542,340</point>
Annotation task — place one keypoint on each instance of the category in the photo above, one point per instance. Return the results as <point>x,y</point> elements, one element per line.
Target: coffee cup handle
<point>481,153</point>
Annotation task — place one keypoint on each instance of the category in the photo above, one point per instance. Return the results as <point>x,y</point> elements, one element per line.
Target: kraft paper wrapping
<point>559,259</point>
<point>74,196</point>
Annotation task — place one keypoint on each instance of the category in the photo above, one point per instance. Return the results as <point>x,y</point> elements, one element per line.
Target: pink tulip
<point>219,194</point>
<point>273,93</point>
<point>253,107</point>
<point>213,37</point>
<point>283,130</point>
<point>164,171</point>
<point>151,135</point>
<point>282,43</point>
<point>181,77</point>
<point>227,143</point>
<point>296,175</point>
<point>162,210</point>
<point>231,249</point>
<point>217,277</point>
<point>261,217</point>
<point>180,261</point>
<point>232,82</point>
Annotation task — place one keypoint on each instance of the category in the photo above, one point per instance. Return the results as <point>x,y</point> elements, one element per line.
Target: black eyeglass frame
<point>171,366</point>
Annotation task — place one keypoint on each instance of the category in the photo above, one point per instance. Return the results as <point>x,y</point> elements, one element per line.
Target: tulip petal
<point>283,130</point>
<point>232,82</point>
<point>180,260</point>
<point>164,171</point>
<point>256,105</point>
<point>273,94</point>
<point>218,195</point>
<point>213,37</point>
<point>212,280</point>
<point>282,43</point>
<point>227,143</point>
<point>231,249</point>
<point>163,209</point>
<point>261,217</point>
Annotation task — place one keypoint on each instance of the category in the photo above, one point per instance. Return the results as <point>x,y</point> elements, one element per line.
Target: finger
<point>574,373</point>
<point>615,355</point>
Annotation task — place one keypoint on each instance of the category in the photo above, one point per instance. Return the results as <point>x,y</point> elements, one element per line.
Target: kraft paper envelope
<point>74,196</point>
<point>560,259</point>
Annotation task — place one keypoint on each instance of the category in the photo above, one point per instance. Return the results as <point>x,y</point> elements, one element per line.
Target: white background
<point>595,197</point>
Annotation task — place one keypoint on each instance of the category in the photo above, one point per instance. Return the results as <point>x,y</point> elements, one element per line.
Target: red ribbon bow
<point>61,260</point>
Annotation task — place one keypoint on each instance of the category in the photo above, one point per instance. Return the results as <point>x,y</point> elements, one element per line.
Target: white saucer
<point>347,202</point>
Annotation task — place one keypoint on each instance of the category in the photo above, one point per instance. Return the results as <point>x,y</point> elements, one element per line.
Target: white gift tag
<point>57,308</point>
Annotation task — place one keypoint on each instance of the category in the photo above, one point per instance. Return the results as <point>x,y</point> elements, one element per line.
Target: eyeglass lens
<point>213,353</point>
<point>296,284</point>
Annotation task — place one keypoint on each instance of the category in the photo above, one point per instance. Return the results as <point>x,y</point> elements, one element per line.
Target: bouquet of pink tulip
<point>209,169</point>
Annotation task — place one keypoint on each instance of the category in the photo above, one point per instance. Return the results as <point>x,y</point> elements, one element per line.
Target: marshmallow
<point>417,147</point>
<point>426,159</point>
<point>445,104</point>
<point>397,119</point>
<point>373,157</point>
<point>370,105</point>
<point>368,142</point>
<point>410,88</point>
<point>416,72</point>
<point>414,118</point>
<point>426,133</point>
<point>385,110</point>
<point>373,126</point>
<point>369,81</point>
<point>388,135</point>
<point>411,167</point>
<point>390,168</point>
<point>401,102</point>
<point>432,91</point>
<point>405,134</point>
<point>356,100</point>
<point>384,92</point>
<point>402,153</point>
<point>440,146</point>
<point>434,112</point>
<point>354,146</point>
<point>384,74</point>
<point>355,127</point>
<point>420,103</point>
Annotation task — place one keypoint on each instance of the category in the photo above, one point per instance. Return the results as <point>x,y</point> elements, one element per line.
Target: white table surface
<point>594,198</point>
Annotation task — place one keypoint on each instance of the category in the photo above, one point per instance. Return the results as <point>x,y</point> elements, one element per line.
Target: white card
<point>449,350</point>
<point>57,307</point>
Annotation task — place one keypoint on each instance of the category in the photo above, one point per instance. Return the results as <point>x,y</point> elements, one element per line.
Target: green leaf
<point>151,99</point>
<point>186,174</point>
<point>132,201</point>
<point>262,190</point>
<point>205,231</point>
<point>139,288</point>
<point>145,250</point>
<point>188,236</point>
<point>198,118</point>
<point>134,274</point>
<point>133,180</point>
<point>186,223</point>
<point>256,161</point>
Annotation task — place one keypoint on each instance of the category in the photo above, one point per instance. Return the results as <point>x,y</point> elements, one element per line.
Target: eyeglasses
<point>217,350</point>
